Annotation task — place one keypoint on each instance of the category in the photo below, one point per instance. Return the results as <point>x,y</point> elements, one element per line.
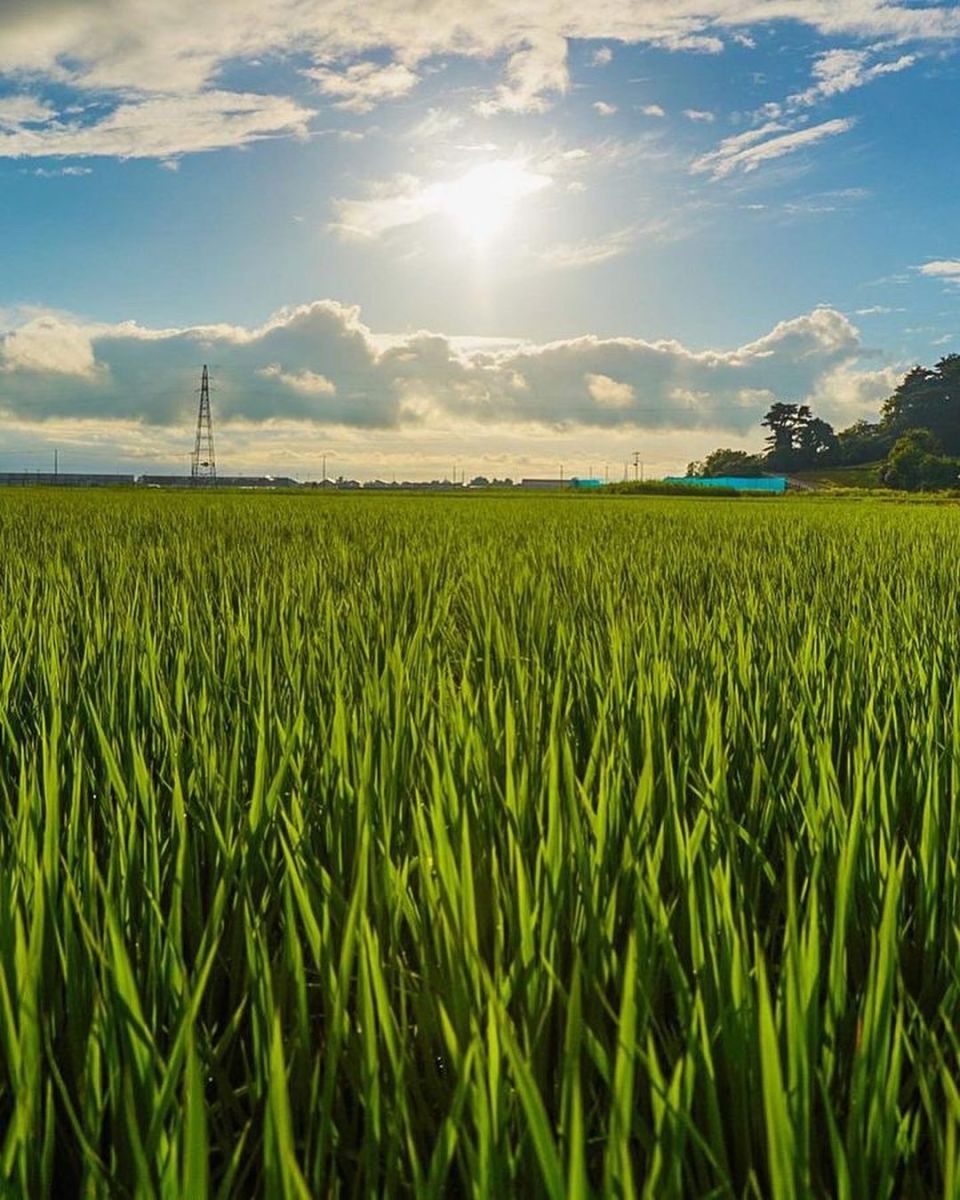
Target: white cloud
<point>947,269</point>
<point>364,85</point>
<point>604,109</point>
<point>19,110</point>
<point>534,71</point>
<point>839,71</point>
<point>653,110</point>
<point>321,365</point>
<point>602,57</point>
<point>609,393</point>
<point>747,151</point>
<point>159,127</point>
<point>847,393</point>
<point>61,172</point>
<point>139,47</point>
<point>48,344</point>
<point>699,114</point>
<point>309,383</point>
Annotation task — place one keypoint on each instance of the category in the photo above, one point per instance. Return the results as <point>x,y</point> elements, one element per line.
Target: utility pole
<point>606,472</point>
<point>636,466</point>
<point>56,464</point>
<point>561,472</point>
<point>203,463</point>
<point>324,468</point>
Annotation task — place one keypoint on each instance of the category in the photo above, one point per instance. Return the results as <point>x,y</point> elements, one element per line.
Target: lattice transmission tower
<point>203,461</point>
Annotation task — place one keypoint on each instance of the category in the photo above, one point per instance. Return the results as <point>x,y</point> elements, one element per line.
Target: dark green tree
<point>727,462</point>
<point>782,419</point>
<point>928,399</point>
<point>797,438</point>
<point>916,464</point>
<point>816,441</point>
<point>863,442</point>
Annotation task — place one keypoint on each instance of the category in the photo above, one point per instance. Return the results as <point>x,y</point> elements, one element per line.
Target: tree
<point>781,420</point>
<point>863,442</point>
<point>797,438</point>
<point>928,399</point>
<point>727,462</point>
<point>915,464</point>
<point>816,441</point>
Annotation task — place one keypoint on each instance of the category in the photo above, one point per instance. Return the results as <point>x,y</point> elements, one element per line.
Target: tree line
<point>916,440</point>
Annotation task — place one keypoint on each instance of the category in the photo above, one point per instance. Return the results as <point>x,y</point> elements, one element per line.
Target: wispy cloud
<point>140,51</point>
<point>162,127</point>
<point>839,71</point>
<point>947,269</point>
<point>362,86</point>
<point>591,251</point>
<point>604,108</point>
<point>745,152</point>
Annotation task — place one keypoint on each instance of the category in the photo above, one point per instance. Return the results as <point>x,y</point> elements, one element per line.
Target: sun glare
<point>483,201</point>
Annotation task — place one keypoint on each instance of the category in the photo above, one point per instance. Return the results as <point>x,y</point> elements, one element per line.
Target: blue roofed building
<point>769,485</point>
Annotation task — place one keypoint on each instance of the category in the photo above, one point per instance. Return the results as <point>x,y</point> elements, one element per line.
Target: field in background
<point>379,846</point>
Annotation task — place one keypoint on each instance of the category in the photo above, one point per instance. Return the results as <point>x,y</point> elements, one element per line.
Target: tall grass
<point>361,846</point>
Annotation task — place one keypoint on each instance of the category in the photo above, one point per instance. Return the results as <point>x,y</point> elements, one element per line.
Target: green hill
<point>864,476</point>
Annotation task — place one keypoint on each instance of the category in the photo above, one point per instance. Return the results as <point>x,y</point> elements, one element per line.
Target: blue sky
<point>505,236</point>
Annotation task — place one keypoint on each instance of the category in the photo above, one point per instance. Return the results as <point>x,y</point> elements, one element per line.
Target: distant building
<point>221,481</point>
<point>774,485</point>
<point>546,485</point>
<point>62,479</point>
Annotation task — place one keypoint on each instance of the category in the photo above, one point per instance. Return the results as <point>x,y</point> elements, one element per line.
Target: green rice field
<point>360,846</point>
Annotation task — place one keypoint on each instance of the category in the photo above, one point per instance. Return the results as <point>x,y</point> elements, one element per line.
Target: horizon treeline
<point>916,441</point>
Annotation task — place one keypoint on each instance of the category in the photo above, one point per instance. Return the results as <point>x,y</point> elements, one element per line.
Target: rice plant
<point>362,846</point>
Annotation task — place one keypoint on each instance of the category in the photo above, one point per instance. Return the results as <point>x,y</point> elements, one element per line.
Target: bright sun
<point>482,202</point>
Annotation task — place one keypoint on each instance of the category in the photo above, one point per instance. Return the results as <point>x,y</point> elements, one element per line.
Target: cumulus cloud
<point>653,110</point>
<point>604,108</point>
<point>310,383</point>
<point>602,57</point>
<point>609,393</point>
<point>700,114</point>
<point>49,345</point>
<point>746,152</point>
<point>320,364</point>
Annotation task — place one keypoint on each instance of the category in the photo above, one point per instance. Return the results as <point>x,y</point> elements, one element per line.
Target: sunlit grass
<point>361,846</point>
